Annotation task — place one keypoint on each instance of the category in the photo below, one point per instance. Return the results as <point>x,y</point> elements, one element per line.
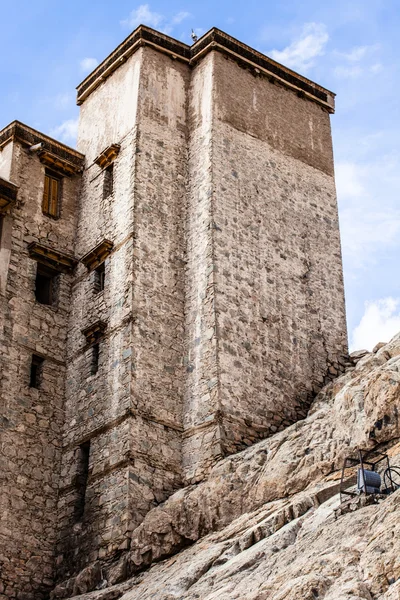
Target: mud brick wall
<point>31,419</point>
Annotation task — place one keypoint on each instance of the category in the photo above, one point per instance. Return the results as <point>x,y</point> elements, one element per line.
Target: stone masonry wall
<point>98,406</point>
<point>136,395</point>
<point>31,419</point>
<point>279,290</point>
<point>267,313</point>
<point>223,307</point>
<point>159,261</point>
<point>201,440</point>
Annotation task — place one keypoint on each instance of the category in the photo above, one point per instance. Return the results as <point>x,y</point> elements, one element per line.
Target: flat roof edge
<point>28,135</point>
<point>215,39</point>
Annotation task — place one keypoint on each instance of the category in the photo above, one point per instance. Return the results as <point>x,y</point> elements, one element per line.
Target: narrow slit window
<point>51,195</point>
<point>99,278</point>
<point>36,372</point>
<point>46,285</point>
<point>83,455</point>
<point>108,181</point>
<point>1,228</point>
<point>94,359</point>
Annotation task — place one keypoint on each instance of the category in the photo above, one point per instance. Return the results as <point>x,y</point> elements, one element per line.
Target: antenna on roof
<point>194,36</point>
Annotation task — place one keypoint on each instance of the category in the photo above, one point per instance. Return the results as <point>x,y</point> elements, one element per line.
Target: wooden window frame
<point>52,193</point>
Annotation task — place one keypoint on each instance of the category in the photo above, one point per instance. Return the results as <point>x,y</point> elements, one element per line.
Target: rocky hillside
<point>265,525</point>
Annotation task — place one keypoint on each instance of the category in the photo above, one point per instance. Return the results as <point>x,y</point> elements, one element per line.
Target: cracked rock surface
<point>264,524</point>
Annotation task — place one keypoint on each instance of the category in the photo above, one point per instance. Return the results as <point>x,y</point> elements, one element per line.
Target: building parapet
<point>51,153</point>
<point>214,39</point>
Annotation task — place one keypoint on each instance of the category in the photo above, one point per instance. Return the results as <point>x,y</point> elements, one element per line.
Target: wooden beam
<point>63,263</point>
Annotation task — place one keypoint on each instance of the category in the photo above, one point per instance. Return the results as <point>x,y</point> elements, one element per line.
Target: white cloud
<point>66,132</point>
<point>63,101</point>
<point>376,68</point>
<point>303,51</point>
<point>143,15</point>
<point>367,234</point>
<point>379,323</point>
<point>357,53</point>
<point>179,17</point>
<point>369,211</point>
<point>355,71</point>
<point>348,72</point>
<point>88,64</point>
<point>352,69</point>
<point>348,179</point>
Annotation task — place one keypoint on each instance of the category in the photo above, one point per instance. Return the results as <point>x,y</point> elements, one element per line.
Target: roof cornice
<point>62,156</point>
<point>215,39</point>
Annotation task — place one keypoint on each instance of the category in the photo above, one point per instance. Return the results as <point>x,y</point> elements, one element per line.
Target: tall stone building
<point>170,293</point>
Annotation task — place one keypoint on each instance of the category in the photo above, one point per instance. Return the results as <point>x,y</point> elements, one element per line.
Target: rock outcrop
<point>264,524</point>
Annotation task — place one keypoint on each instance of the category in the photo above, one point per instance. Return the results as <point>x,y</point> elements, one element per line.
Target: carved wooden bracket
<point>59,164</point>
<point>94,332</point>
<point>107,156</point>
<point>95,257</point>
<point>54,259</point>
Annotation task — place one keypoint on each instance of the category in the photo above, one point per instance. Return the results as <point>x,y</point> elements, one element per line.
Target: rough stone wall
<point>201,440</point>
<point>159,260</point>
<point>98,405</point>
<point>136,395</point>
<point>280,300</point>
<point>31,419</point>
<point>279,286</point>
<point>223,302</point>
<point>266,320</point>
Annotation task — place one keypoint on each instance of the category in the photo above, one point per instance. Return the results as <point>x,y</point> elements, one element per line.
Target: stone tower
<point>169,294</point>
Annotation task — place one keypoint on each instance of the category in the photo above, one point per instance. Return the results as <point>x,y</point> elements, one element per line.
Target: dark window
<point>83,454</point>
<point>51,194</point>
<point>99,278</point>
<point>36,371</point>
<point>94,361</point>
<point>1,227</point>
<point>108,181</point>
<point>46,285</point>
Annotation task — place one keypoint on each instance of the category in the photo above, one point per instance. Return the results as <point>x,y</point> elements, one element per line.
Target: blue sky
<point>349,47</point>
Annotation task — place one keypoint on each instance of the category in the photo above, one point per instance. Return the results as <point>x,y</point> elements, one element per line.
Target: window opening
<point>36,372</point>
<point>99,278</point>
<point>1,228</point>
<point>46,285</point>
<point>51,194</point>
<point>83,455</point>
<point>108,181</point>
<point>94,363</point>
